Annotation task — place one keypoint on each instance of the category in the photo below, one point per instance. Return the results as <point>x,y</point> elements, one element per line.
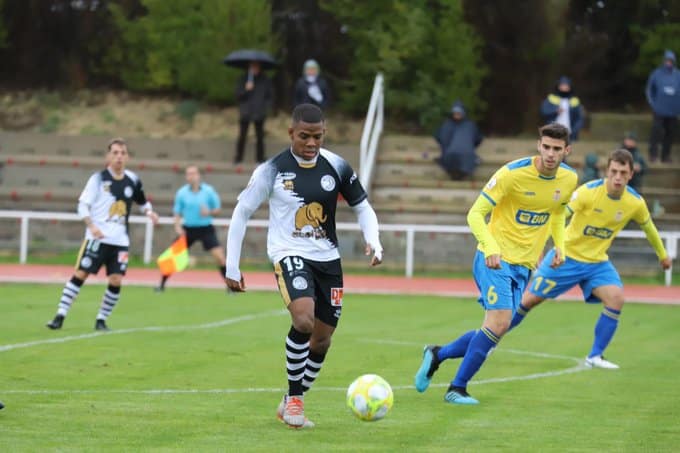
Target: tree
<point>427,52</point>
<point>180,44</point>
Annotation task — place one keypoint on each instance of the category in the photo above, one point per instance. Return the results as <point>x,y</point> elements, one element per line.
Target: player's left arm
<point>368,221</point>
<point>657,244</point>
<point>145,205</point>
<point>355,195</point>
<point>557,230</point>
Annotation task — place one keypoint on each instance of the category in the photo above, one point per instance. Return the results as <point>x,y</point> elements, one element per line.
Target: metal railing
<point>371,134</point>
<point>671,237</point>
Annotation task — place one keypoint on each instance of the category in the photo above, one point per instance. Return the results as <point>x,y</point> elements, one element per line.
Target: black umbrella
<point>242,58</point>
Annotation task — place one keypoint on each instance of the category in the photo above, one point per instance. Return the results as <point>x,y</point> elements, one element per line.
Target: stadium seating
<point>45,172</point>
<point>408,181</point>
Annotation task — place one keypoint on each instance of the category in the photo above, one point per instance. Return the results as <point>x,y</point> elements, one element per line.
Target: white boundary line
<point>210,325</point>
<point>580,365</point>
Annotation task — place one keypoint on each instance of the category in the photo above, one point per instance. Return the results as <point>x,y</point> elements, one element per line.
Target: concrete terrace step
<point>434,196</point>
<point>30,143</point>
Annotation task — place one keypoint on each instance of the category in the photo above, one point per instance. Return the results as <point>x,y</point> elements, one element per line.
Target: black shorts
<point>321,280</point>
<point>94,254</point>
<point>205,234</point>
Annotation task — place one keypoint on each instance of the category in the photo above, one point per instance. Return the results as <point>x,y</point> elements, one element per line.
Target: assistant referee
<point>195,205</point>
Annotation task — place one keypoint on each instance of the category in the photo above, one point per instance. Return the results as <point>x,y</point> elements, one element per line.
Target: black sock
<point>223,272</point>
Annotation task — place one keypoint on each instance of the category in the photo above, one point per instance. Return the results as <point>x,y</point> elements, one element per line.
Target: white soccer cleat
<point>281,415</point>
<point>600,362</point>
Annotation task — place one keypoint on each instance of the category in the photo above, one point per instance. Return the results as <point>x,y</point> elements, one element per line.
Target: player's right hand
<point>96,232</point>
<point>493,261</point>
<point>236,286</point>
<point>179,230</point>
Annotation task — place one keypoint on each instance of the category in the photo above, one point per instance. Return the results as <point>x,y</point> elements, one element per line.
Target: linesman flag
<point>175,258</point>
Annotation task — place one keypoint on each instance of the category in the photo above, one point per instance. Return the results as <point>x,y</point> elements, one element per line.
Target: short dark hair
<point>117,141</point>
<point>308,113</point>
<point>556,131</point>
<point>622,156</point>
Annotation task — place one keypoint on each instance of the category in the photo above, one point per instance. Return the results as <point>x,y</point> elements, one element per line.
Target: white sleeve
<point>368,222</point>
<point>88,196</point>
<point>257,191</point>
<point>146,206</point>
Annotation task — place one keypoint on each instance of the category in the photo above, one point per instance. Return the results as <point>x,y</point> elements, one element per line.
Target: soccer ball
<point>370,397</point>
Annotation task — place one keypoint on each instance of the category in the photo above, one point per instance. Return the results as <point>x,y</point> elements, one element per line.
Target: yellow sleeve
<point>577,200</point>
<point>476,219</point>
<point>558,228</point>
<point>654,239</point>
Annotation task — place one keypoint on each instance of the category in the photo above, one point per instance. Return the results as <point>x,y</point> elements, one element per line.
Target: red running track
<point>264,281</point>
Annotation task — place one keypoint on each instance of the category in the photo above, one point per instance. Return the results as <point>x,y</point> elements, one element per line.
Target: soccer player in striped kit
<point>104,205</point>
<point>302,185</point>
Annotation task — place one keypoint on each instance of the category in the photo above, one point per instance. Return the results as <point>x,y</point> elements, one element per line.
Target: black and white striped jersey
<point>302,198</point>
<point>107,201</point>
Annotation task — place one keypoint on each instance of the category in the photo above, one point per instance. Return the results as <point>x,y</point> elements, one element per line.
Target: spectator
<point>458,138</point>
<point>311,88</point>
<point>254,93</point>
<point>590,169</point>
<point>561,106</point>
<point>639,163</point>
<point>663,95</point>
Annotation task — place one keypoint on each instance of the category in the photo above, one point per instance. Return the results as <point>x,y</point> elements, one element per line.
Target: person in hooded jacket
<point>663,95</point>
<point>639,162</point>
<point>562,107</point>
<point>458,138</point>
<point>311,88</point>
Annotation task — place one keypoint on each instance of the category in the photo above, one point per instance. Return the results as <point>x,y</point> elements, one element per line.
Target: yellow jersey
<point>524,201</point>
<point>598,218</point>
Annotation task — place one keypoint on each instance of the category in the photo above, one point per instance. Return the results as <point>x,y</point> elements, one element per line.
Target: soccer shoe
<point>282,407</point>
<point>2,406</point>
<point>597,361</point>
<point>56,323</point>
<point>100,324</point>
<point>158,289</point>
<point>294,412</point>
<point>459,396</point>
<point>428,366</point>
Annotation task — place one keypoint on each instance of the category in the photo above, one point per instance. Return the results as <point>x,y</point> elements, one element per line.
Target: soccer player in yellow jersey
<point>526,199</point>
<point>600,209</point>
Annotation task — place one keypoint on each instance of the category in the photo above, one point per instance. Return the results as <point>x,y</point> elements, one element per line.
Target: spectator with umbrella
<point>254,93</point>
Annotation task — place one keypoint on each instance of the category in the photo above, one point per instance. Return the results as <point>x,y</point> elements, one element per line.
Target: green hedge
<point>179,44</point>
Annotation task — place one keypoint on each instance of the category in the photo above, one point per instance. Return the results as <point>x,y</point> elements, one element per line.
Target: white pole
<point>23,241</point>
<point>410,239</point>
<point>148,241</point>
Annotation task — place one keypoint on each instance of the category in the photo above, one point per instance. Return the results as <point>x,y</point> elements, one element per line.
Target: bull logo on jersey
<point>618,216</point>
<point>308,220</point>
<point>117,211</point>
<point>557,195</point>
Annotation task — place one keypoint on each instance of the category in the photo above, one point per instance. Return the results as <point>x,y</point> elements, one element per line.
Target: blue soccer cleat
<point>429,365</point>
<point>457,395</point>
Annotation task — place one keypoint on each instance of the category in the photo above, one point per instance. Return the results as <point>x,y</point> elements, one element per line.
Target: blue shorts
<point>500,289</point>
<point>550,283</point>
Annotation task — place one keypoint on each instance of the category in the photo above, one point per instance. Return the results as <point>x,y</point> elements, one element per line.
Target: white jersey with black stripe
<point>107,201</point>
<point>302,198</point>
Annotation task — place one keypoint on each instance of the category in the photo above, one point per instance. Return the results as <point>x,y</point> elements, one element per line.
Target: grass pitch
<point>198,370</point>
